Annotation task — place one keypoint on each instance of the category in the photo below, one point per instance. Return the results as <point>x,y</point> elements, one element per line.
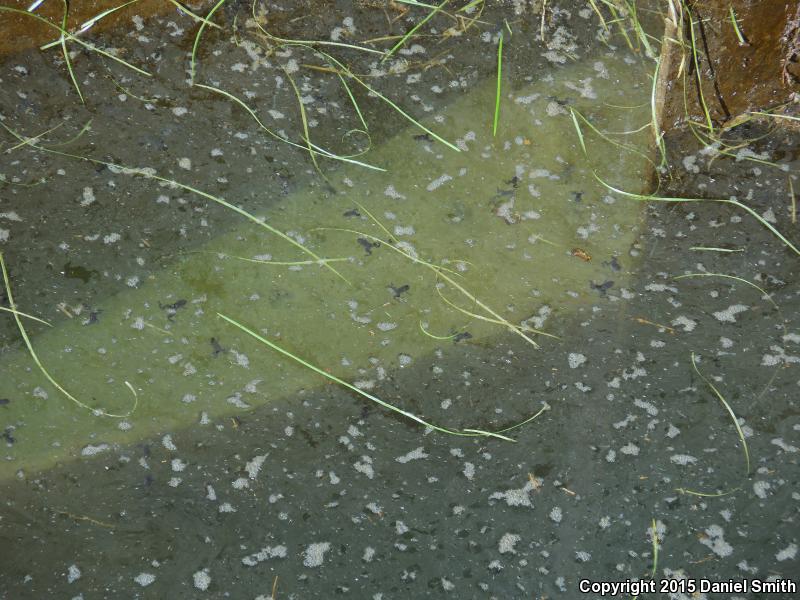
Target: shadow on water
<point>241,474</point>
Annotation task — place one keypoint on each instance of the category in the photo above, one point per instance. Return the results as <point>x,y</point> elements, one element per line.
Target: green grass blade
<point>730,412</point>
<point>360,392</point>
<point>23,332</point>
<point>739,35</point>
<point>193,60</point>
<point>736,203</point>
<point>65,52</point>
<point>150,174</point>
<point>26,315</point>
<point>499,82</point>
<point>74,38</point>
<point>413,30</point>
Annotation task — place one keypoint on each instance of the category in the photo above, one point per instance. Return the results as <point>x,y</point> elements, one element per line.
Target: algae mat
<point>518,219</point>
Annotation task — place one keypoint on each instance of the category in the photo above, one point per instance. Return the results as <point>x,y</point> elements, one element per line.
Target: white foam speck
<point>315,554</point>
<point>202,580</point>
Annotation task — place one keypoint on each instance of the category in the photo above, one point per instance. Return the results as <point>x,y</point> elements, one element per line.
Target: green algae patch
<point>511,233</point>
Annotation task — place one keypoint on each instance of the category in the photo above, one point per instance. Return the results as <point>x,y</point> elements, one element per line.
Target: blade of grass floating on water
<point>150,174</point>
<point>284,263</point>
<point>193,60</point>
<point>368,236</point>
<point>602,135</point>
<point>360,392</point>
<point>415,3</point>
<point>316,148</point>
<point>86,127</point>
<point>599,15</point>
<point>499,80</point>
<point>739,36</point>
<point>764,296</point>
<point>352,100</point>
<point>499,321</point>
<point>414,29</point>
<point>308,43</point>
<point>578,131</point>
<point>713,249</point>
<point>750,211</point>
<point>619,21</point>
<point>65,52</point>
<point>31,140</point>
<point>304,120</point>
<point>437,337</point>
<point>344,69</point>
<point>730,412</point>
<point>774,116</point>
<point>485,433</point>
<point>641,35</point>
<point>35,4</point>
<point>73,38</point>
<point>472,4</point>
<point>441,272</point>
<point>93,21</point>
<point>740,280</point>
<point>194,16</point>
<point>705,494</point>
<point>23,332</point>
<point>794,201</point>
<point>26,315</point>
<point>545,407</point>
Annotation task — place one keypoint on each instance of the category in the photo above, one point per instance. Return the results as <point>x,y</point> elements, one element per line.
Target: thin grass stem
<point>23,332</point>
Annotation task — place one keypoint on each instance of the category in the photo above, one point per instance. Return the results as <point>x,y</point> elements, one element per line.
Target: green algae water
<point>514,218</point>
<point>469,284</point>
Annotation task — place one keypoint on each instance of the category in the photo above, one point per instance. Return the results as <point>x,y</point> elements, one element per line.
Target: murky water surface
<point>468,279</point>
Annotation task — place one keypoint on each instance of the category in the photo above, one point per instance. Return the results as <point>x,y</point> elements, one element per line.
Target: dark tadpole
<point>367,245</point>
<point>601,287</point>
<point>398,291</point>
<point>216,348</point>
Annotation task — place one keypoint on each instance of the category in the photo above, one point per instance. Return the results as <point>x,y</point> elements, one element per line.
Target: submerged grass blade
<point>705,494</point>
<point>65,52</point>
<point>626,147</point>
<point>730,412</point>
<point>739,35</point>
<point>317,149</point>
<point>736,203</point>
<point>499,83</point>
<point>282,263</point>
<point>343,69</point>
<point>71,37</point>
<point>26,315</point>
<point>437,337</point>
<point>414,29</point>
<point>150,174</point>
<point>304,120</point>
<point>442,272</point>
<point>368,396</point>
<point>578,130</point>
<point>23,332</point>
<point>193,60</point>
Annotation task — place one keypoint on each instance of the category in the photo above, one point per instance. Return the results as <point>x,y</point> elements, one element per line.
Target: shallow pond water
<point>474,281</point>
